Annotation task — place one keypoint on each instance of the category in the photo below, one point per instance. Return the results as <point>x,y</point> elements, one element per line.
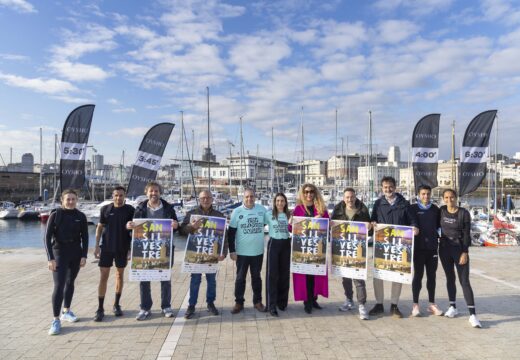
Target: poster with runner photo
<point>204,247</point>
<point>309,245</point>
<point>393,253</point>
<point>151,250</point>
<point>348,241</point>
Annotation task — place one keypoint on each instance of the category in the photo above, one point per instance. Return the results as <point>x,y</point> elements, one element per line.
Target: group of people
<point>439,232</point>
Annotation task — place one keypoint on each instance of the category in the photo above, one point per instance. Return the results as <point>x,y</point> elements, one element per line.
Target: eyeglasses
<point>308,191</point>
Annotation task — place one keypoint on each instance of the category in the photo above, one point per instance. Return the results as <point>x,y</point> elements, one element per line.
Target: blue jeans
<point>211,290</point>
<point>146,295</point>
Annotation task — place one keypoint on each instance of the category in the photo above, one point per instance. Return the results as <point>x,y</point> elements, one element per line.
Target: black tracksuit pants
<point>278,272</point>
<point>67,259</point>
<point>424,259</point>
<point>244,263</point>
<point>450,256</point>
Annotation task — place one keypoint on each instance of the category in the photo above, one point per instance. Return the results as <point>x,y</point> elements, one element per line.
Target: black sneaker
<point>189,312</point>
<point>212,309</point>
<point>394,310</point>
<point>282,307</point>
<point>315,305</point>
<point>307,306</point>
<point>100,314</point>
<point>117,310</point>
<point>273,312</point>
<point>377,310</point>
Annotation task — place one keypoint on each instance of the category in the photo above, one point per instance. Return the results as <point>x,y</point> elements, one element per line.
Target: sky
<point>273,63</point>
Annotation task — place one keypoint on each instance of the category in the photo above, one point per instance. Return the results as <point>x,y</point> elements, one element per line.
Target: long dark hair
<point>285,208</point>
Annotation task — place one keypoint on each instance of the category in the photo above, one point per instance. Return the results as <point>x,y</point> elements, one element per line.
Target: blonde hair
<point>318,201</point>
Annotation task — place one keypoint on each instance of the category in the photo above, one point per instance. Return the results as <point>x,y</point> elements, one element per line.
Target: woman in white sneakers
<point>455,239</point>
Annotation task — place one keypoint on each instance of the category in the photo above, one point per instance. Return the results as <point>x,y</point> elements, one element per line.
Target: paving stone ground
<point>25,316</point>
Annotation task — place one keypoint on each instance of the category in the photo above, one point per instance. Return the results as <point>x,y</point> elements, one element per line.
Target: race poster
<point>348,241</point>
<point>309,245</point>
<point>205,246</point>
<point>151,250</point>
<point>393,253</point>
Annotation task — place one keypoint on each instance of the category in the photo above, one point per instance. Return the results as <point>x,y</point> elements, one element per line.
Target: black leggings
<point>450,256</point>
<point>422,259</point>
<point>67,268</point>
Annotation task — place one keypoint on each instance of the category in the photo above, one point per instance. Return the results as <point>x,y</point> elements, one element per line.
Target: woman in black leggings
<point>66,243</point>
<point>453,250</point>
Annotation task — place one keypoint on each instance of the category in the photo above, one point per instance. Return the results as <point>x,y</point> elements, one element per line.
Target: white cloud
<point>340,36</point>
<point>124,110</point>
<point>78,71</point>
<point>14,57</point>
<point>46,86</point>
<point>132,132</point>
<point>423,7</point>
<point>342,67</point>
<point>395,31</point>
<point>72,99</point>
<point>21,6</point>
<point>254,55</point>
<point>501,10</point>
<point>113,101</point>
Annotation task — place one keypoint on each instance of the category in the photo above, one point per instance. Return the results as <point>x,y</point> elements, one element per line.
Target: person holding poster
<point>307,287</point>
<point>66,243</point>
<point>114,247</point>
<point>425,254</point>
<point>391,208</point>
<point>190,226</point>
<point>453,251</point>
<point>246,247</point>
<point>278,255</point>
<point>353,209</point>
<point>154,208</point>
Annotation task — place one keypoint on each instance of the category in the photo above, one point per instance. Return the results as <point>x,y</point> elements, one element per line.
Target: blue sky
<point>142,62</point>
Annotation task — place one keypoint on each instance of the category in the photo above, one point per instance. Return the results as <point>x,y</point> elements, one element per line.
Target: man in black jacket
<point>425,254</point>
<point>155,208</point>
<point>353,209</point>
<point>391,208</point>
<point>189,227</point>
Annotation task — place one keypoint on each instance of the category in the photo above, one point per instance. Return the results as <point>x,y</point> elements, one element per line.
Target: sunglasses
<point>308,191</point>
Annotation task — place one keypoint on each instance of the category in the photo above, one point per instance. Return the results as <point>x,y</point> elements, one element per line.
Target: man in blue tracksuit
<point>391,208</point>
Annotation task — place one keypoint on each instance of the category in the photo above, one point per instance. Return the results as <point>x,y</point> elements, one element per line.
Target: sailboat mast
<point>55,157</point>
<point>41,164</point>
<point>369,160</point>
<point>336,158</point>
<point>241,152</point>
<point>303,153</point>
<point>209,148</point>
<point>496,167</point>
<point>272,160</point>
<point>453,180</point>
<point>182,154</point>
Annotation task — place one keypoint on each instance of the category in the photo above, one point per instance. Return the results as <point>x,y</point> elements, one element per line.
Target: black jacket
<point>185,230</point>
<point>399,213</point>
<point>169,211</point>
<point>361,214</point>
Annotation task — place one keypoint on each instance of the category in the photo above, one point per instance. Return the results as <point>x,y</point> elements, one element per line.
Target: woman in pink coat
<point>307,287</point>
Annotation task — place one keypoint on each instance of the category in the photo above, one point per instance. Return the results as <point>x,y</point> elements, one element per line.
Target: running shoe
<point>394,310</point>
<point>100,314</point>
<point>415,310</point>
<point>55,327</point>
<point>189,312</point>
<point>212,309</point>
<point>451,312</point>
<point>474,321</point>
<point>363,313</point>
<point>376,310</point>
<point>168,312</point>
<point>117,310</point>
<point>347,305</point>
<point>68,316</point>
<point>434,309</point>
<point>143,315</point>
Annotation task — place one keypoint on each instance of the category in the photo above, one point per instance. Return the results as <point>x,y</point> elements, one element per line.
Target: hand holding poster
<point>349,249</point>
<point>204,247</point>
<point>151,250</point>
<point>393,253</point>
<point>309,245</point>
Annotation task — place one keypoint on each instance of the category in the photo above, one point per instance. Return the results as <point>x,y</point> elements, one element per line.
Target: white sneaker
<point>168,312</point>
<point>474,321</point>
<point>416,311</point>
<point>363,313</point>
<point>451,312</point>
<point>68,316</point>
<point>348,305</point>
